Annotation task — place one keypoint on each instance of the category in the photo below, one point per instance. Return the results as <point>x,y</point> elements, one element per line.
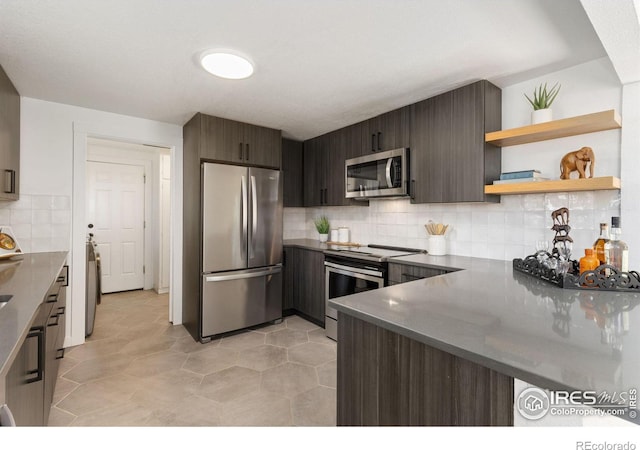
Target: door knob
<point>90,225</point>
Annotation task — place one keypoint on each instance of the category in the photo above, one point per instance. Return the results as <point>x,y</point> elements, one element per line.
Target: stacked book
<point>521,176</point>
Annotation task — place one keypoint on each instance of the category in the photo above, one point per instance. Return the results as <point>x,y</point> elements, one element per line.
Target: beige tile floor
<point>139,370</point>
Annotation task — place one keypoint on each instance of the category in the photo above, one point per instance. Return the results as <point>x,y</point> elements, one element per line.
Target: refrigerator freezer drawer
<point>235,300</point>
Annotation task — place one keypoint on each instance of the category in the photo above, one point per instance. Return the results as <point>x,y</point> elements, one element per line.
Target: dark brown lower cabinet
<point>24,382</point>
<point>388,379</point>
<point>403,273</point>
<point>290,270</point>
<point>303,290</point>
<point>31,380</point>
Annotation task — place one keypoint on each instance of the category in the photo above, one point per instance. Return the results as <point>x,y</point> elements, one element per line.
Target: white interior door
<point>115,206</point>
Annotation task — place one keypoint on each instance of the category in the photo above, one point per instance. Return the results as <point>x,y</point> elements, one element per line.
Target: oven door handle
<point>371,275</point>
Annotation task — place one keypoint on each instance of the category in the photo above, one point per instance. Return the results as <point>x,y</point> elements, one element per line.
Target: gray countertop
<point>505,320</point>
<point>27,278</point>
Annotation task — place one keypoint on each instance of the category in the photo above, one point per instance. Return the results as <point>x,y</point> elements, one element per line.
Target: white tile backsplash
<point>42,202</point>
<point>42,223</point>
<point>505,230</point>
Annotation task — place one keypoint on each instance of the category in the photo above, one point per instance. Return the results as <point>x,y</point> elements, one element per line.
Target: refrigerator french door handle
<point>244,212</point>
<point>244,275</point>
<point>254,215</point>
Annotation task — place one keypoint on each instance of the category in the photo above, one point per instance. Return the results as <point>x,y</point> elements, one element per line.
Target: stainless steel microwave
<point>382,174</point>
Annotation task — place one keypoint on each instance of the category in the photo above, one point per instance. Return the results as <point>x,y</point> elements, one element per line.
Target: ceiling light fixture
<point>227,65</point>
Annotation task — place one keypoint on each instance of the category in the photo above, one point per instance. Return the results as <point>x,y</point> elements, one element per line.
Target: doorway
<point>127,203</point>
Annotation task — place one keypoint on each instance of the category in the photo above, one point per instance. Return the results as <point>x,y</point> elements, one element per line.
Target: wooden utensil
<point>436,228</point>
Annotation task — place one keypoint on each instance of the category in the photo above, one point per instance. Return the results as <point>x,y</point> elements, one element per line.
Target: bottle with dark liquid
<point>598,245</point>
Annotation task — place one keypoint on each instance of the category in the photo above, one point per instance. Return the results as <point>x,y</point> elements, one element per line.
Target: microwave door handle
<point>244,212</point>
<point>388,173</point>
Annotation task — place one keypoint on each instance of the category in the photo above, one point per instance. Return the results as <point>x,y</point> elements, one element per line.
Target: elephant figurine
<point>577,160</point>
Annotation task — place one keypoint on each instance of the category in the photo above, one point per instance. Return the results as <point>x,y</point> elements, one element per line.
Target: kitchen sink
<point>4,299</point>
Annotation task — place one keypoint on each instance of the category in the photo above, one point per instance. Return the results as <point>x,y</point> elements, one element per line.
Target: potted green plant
<point>322,225</point>
<point>541,102</point>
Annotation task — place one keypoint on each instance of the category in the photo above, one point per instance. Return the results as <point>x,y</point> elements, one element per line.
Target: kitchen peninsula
<point>445,350</point>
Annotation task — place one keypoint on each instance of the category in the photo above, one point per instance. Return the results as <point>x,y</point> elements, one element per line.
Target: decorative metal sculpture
<point>559,269</point>
<point>561,225</point>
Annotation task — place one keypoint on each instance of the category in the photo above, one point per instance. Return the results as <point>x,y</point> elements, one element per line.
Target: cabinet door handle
<point>412,194</point>
<point>9,181</point>
<point>61,310</point>
<point>56,323</point>
<point>64,277</point>
<point>60,354</point>
<point>379,134</point>
<point>52,298</point>
<point>37,332</point>
<point>240,152</point>
<point>247,154</point>
<point>373,142</point>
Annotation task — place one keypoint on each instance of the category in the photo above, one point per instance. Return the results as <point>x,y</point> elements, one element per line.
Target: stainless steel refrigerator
<point>241,247</point>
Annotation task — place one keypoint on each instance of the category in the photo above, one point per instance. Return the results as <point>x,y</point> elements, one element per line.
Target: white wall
<point>630,171</point>
<point>53,151</point>
<point>509,229</point>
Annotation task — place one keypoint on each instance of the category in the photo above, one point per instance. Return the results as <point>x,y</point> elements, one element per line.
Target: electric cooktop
<point>372,252</point>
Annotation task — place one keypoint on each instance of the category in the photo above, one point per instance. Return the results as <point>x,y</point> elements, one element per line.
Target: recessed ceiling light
<point>227,65</point>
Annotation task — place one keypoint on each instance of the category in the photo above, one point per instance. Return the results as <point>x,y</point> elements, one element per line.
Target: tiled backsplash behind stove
<point>503,230</point>
<point>42,223</point>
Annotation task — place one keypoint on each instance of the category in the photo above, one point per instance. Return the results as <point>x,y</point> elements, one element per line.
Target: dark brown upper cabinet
<point>324,167</point>
<point>450,160</point>
<point>292,170</point>
<point>387,131</point>
<point>315,172</point>
<point>237,142</point>
<point>9,139</point>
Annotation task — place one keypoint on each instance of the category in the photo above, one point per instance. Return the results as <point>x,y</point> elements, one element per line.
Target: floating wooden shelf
<point>589,123</point>
<point>539,187</point>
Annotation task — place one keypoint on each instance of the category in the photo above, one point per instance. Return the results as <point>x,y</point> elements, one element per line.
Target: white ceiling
<point>320,65</point>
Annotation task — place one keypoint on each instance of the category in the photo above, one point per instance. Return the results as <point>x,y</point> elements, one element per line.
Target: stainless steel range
<point>351,270</point>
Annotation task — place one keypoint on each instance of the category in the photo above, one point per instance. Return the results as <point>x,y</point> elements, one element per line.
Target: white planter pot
<point>324,237</point>
<point>541,115</point>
